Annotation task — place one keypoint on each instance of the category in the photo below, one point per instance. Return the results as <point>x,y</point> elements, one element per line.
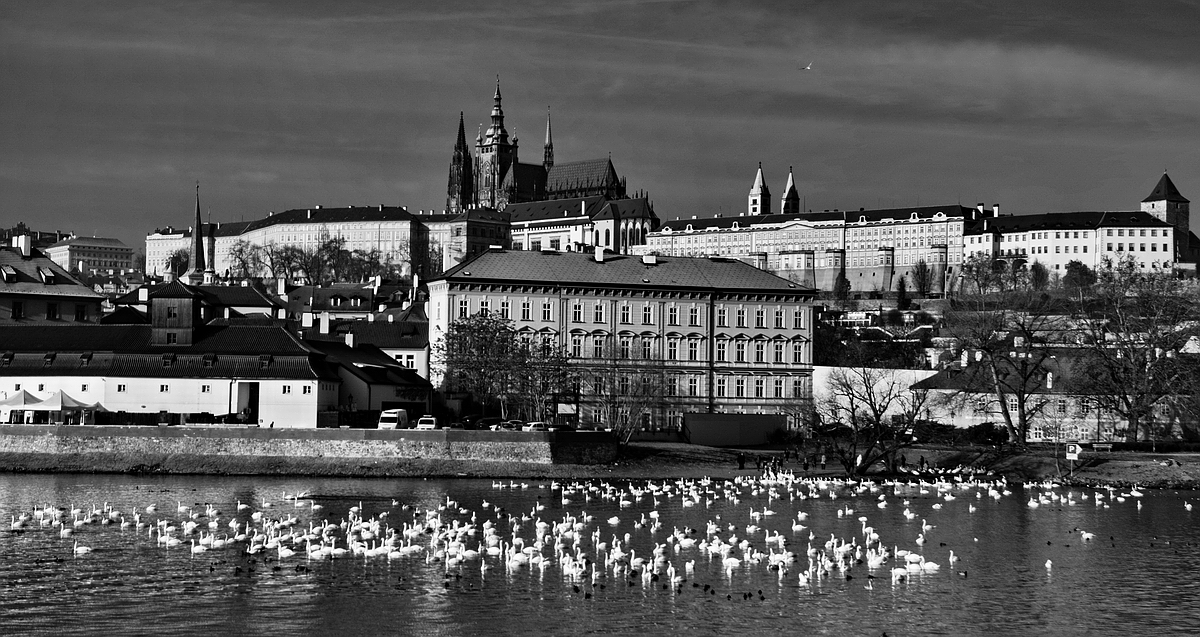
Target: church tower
<point>548,148</point>
<point>1167,204</point>
<point>461,189</point>
<point>760,195</point>
<point>195,271</point>
<point>790,204</point>
<point>494,156</point>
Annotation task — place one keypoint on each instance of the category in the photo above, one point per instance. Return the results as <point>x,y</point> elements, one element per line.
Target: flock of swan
<point>557,532</point>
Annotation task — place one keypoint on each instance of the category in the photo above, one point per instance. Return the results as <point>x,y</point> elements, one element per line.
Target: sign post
<point>1072,455</point>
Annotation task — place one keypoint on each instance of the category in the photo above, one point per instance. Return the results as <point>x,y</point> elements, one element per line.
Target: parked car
<point>563,427</point>
<point>393,419</point>
<point>508,425</point>
<point>427,422</point>
<point>536,425</point>
<point>483,422</point>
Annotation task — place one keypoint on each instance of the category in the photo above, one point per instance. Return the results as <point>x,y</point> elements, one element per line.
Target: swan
<point>81,550</point>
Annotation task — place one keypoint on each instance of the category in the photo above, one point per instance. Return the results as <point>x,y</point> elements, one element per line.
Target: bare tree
<point>922,277</point>
<point>481,355</point>
<point>246,258</point>
<point>628,386</point>
<point>979,271</point>
<point>177,261</point>
<point>867,416</point>
<point>1140,322</point>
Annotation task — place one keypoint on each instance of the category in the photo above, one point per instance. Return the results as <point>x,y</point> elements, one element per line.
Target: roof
<point>871,216</point>
<point>1066,221</point>
<point>382,334</point>
<point>98,242</point>
<point>573,174</point>
<point>977,377</point>
<point>637,208</point>
<point>573,268</point>
<point>215,295</point>
<point>135,338</point>
<point>321,215</point>
<point>28,281</point>
<point>555,208</point>
<point>1165,190</point>
<point>370,364</point>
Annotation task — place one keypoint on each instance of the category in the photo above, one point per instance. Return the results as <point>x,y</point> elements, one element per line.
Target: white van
<point>427,422</point>
<point>393,419</point>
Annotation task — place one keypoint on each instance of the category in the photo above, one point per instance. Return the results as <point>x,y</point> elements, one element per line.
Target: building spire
<point>790,203</point>
<point>460,193</point>
<point>548,148</point>
<point>760,196</point>
<point>195,271</point>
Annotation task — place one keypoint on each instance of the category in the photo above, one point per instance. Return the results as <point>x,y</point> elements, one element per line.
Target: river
<point>766,557</point>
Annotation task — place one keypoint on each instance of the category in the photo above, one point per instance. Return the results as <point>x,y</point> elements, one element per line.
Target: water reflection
<point>1113,584</point>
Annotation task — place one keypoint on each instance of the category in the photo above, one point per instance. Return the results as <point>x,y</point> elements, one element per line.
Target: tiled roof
<point>99,242</point>
<point>574,174</point>
<point>1165,190</point>
<point>370,364</point>
<point>215,295</point>
<point>29,283</point>
<point>1066,221</point>
<point>174,290</point>
<point>572,268</point>
<point>383,334</point>
<point>555,209</point>
<point>331,215</point>
<point>638,208</point>
<point>130,338</point>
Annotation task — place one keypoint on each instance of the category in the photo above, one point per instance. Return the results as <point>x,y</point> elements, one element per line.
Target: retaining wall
<point>239,450</point>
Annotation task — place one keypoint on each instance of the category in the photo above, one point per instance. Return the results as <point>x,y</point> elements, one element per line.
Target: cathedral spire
<point>548,148</point>
<point>460,192</point>
<point>760,196</point>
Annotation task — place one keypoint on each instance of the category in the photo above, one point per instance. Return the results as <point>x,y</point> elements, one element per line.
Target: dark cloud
<point>114,110</point>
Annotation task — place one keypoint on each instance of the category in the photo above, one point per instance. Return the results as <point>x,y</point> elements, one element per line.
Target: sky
<point>111,112</point>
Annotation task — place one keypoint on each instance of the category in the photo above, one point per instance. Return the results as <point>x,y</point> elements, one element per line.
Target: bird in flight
<point>807,68</point>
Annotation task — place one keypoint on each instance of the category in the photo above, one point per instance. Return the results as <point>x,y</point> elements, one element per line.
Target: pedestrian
<point>806,463</point>
<point>903,462</point>
<point>741,458</point>
<point>921,465</point>
<point>822,462</point>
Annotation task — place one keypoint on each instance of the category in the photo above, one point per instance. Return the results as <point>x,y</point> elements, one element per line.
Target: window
<point>485,306</point>
<point>546,311</point>
<point>504,309</point>
<point>464,308</point>
<point>798,319</point>
<point>647,314</point>
<point>778,388</point>
<point>207,389</point>
<point>577,313</point>
<point>172,312</point>
<point>760,387</point>
<point>693,386</point>
<point>741,317</point>
<point>1164,247</point>
<point>778,352</point>
<point>721,350</point>
<point>693,350</point>
<point>1110,232</point>
<point>647,348</point>
<point>740,351</point>
<point>172,338</point>
<point>307,389</point>
<point>83,387</point>
<point>1110,245</point>
<point>555,244</point>
<point>120,389</point>
<point>577,346</point>
<point>760,352</point>
<point>1062,403</point>
<point>739,388</point>
<point>597,312</point>
<point>721,386</point>
<point>525,311</point>
<point>694,316</point>
<point>1141,247</point>
<point>597,347</point>
<point>163,389</point>
<point>760,318</point>
<point>41,387</point>
<point>722,320</point>
<point>779,318</point>
<point>672,349</point>
<point>287,389</point>
<point>535,245</point>
<point>80,312</point>
<point>626,312</point>
<point>672,315</point>
<point>52,311</point>
<point>798,352</point>
<point>626,344</point>
<point>18,310</point>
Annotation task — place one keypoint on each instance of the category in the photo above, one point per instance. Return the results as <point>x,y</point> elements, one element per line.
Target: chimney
<point>599,254</point>
<point>995,210</point>
<point>349,339</point>
<point>649,259</point>
<point>979,208</point>
<point>143,294</point>
<point>22,243</point>
<point>324,322</point>
<point>391,318</point>
<point>965,359</point>
<point>281,313</point>
<point>370,318</point>
<point>281,287</point>
<point>226,312</point>
<point>306,320</point>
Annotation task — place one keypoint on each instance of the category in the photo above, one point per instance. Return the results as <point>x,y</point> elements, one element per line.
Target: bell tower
<point>759,201</point>
<point>1166,204</point>
<point>494,156</point>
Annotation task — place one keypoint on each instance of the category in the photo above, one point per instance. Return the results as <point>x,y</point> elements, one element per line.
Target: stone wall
<point>256,450</point>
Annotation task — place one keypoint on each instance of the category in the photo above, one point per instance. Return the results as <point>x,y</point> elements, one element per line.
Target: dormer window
<point>6,360</point>
<point>209,360</point>
<point>168,360</point>
<point>264,361</point>
<point>48,359</point>
<point>85,359</point>
<point>9,273</point>
<point>46,275</point>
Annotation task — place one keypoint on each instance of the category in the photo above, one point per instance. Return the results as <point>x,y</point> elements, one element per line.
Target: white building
<point>86,254</point>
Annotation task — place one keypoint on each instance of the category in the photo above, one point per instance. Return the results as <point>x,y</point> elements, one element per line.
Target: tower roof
<point>1166,191</point>
<point>760,184</point>
<point>790,189</point>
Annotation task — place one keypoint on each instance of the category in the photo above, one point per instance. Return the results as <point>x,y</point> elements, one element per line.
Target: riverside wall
<point>261,451</point>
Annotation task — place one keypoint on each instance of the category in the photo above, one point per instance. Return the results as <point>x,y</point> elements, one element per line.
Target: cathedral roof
<point>555,208</point>
<point>574,174</point>
<point>1165,191</point>
<point>637,208</point>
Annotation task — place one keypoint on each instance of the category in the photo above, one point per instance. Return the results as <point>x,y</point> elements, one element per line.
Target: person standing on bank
<point>822,461</point>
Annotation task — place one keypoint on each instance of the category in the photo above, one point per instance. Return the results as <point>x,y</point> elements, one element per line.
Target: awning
<point>19,399</point>
<point>60,401</point>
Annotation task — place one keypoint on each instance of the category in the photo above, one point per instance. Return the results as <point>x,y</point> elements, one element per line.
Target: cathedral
<point>494,177</point>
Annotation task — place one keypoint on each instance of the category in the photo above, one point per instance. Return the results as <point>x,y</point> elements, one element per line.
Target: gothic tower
<point>461,190</point>
<point>494,156</point>
<point>760,195</point>
<point>790,204</point>
<point>548,148</point>
<point>195,271</point>
<point>1167,204</point>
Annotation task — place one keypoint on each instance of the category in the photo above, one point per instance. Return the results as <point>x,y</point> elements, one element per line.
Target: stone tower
<point>760,196</point>
<point>1165,203</point>
<point>494,156</point>
<point>790,203</point>
<point>195,271</point>
<point>548,148</point>
<point>461,190</point>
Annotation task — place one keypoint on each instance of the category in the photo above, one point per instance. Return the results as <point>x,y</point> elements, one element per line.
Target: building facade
<point>725,337</point>
<point>87,254</point>
<point>34,289</point>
